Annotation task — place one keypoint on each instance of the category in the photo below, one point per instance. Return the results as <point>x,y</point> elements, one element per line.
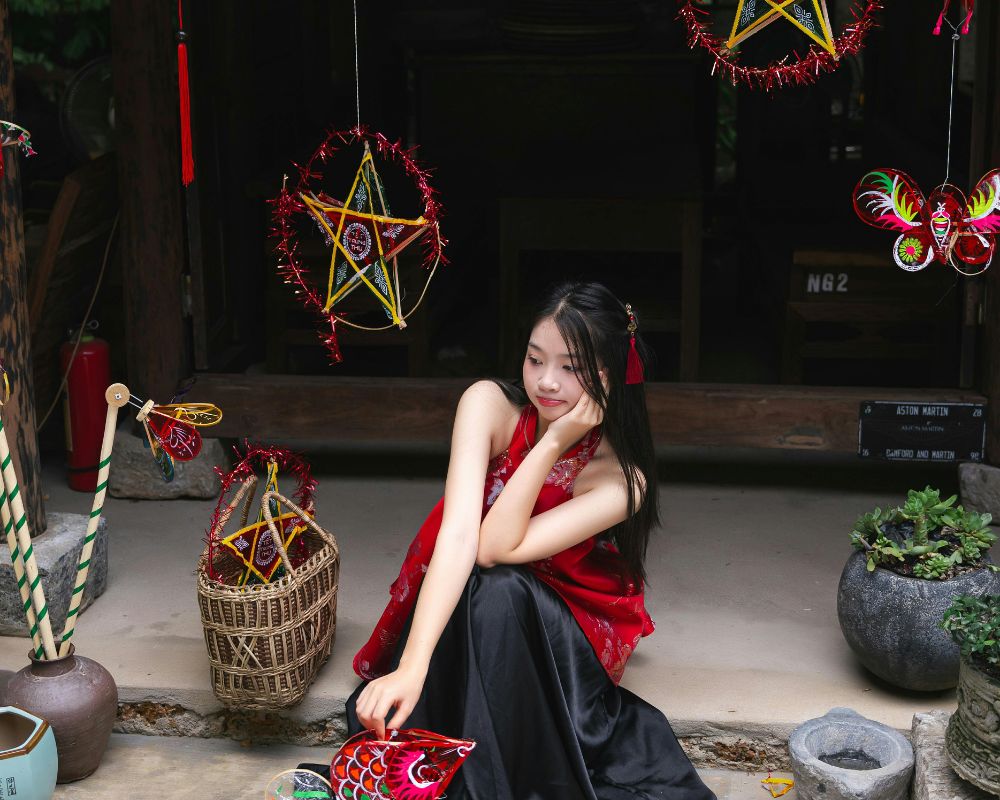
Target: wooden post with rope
<point>15,338</point>
<point>22,533</point>
<point>983,307</point>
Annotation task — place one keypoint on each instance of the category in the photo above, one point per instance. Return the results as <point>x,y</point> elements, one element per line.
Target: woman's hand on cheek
<point>574,424</point>
<point>398,690</point>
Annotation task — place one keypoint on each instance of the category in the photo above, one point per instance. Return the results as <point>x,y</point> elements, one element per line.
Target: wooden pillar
<point>15,336</point>
<point>143,58</point>
<point>985,156</point>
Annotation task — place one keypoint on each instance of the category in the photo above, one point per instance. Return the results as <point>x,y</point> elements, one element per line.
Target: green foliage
<point>926,537</point>
<point>974,624</point>
<point>63,33</point>
<point>926,510</point>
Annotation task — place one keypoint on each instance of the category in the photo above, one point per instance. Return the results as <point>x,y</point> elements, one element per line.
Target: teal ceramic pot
<point>28,760</point>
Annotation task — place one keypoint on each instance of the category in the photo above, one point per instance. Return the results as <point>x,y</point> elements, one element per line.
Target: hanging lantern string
<point>357,71</point>
<point>951,99</point>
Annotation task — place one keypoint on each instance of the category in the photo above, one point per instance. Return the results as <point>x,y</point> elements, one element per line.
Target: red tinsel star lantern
<point>364,238</point>
<point>822,56</point>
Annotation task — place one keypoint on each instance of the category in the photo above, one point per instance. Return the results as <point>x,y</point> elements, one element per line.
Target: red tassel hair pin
<point>633,366</point>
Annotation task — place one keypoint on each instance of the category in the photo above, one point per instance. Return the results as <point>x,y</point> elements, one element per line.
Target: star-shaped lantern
<point>254,544</point>
<point>809,16</point>
<point>366,239</point>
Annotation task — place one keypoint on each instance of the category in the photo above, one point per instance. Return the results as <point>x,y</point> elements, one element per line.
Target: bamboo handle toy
<point>117,396</point>
<point>22,580</point>
<point>23,535</point>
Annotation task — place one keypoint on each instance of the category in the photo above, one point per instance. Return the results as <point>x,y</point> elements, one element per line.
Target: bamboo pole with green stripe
<point>117,396</point>
<point>7,518</point>
<point>23,535</point>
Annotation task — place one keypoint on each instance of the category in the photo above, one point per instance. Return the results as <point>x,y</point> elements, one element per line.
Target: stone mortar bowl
<point>845,737</point>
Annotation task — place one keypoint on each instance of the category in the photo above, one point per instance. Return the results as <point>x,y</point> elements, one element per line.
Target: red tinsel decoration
<point>254,459</point>
<point>801,71</point>
<point>287,205</point>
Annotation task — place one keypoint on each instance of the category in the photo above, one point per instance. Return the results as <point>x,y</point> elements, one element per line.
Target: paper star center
<point>809,16</point>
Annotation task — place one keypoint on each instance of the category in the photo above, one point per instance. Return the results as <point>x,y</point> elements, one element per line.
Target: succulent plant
<point>926,537</point>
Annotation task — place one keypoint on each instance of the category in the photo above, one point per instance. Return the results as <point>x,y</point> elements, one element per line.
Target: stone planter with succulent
<point>973,738</point>
<point>910,562</point>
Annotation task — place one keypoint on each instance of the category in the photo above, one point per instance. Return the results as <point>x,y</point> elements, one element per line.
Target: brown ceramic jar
<point>79,699</point>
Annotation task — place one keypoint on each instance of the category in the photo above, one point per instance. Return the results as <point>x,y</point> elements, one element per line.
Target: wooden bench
<point>408,413</point>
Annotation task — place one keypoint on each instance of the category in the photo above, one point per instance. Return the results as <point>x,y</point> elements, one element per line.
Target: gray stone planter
<point>892,622</point>
<point>973,737</point>
<point>844,756</point>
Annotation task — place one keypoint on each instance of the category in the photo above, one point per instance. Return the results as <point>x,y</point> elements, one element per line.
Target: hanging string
<point>357,71</point>
<point>951,99</point>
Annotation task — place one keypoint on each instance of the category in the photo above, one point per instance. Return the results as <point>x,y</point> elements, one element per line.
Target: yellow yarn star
<point>809,16</point>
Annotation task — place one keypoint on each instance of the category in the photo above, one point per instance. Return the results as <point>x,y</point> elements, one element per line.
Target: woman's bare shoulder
<point>485,404</point>
<point>604,469</point>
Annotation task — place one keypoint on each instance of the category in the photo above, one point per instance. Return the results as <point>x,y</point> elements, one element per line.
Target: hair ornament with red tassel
<point>634,372</point>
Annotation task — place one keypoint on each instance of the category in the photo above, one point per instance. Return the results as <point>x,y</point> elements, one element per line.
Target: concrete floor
<point>743,581</point>
<point>223,770</point>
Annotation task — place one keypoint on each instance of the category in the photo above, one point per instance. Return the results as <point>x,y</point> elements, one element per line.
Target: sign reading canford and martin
<point>912,431</point>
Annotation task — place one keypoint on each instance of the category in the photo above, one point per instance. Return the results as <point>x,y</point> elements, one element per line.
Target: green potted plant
<point>909,562</point>
<point>973,738</point>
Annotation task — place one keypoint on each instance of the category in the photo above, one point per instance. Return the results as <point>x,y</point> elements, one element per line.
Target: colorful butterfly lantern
<point>947,226</point>
<point>409,765</point>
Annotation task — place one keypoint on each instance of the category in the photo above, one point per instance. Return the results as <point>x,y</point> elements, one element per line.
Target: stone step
<point>747,646</point>
<point>154,767</point>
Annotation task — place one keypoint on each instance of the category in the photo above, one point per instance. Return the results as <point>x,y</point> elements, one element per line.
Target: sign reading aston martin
<point>921,431</point>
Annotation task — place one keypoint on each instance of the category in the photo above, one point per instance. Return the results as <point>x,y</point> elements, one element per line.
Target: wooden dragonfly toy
<point>172,430</point>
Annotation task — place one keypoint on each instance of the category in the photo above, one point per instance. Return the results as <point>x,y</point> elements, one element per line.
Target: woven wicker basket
<point>267,642</point>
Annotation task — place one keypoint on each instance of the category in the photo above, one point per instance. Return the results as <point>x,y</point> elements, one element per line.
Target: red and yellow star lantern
<point>809,16</point>
<point>826,49</point>
<point>364,237</point>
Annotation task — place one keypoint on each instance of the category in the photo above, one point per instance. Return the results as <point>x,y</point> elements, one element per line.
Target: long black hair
<point>594,325</point>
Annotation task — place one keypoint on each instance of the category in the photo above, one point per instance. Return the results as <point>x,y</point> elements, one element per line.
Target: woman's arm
<point>510,535</point>
<point>553,531</point>
<point>480,418</point>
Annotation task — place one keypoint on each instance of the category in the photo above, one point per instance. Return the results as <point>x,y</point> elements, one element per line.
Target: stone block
<point>135,475</point>
<point>57,552</point>
<point>979,487</point>
<point>844,756</point>
<point>934,778</point>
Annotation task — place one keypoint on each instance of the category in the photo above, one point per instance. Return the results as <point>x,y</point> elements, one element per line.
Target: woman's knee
<point>501,593</point>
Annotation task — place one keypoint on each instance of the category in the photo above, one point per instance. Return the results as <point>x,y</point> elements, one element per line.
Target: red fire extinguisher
<point>85,408</point>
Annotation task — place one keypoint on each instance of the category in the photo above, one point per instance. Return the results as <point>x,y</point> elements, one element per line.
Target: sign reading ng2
<point>824,282</point>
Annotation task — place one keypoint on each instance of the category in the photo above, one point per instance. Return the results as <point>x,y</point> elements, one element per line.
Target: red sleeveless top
<point>591,577</point>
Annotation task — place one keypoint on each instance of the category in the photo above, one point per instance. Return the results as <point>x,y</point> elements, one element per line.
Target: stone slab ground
<point>743,582</point>
<point>158,768</point>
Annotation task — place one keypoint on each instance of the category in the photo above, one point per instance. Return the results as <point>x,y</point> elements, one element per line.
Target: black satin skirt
<point>514,672</point>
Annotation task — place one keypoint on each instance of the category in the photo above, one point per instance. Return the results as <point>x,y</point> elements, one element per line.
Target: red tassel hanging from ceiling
<point>187,151</point>
<point>969,7</point>
<point>940,19</point>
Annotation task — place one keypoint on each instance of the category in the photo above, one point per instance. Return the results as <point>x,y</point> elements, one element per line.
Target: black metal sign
<point>920,431</point>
